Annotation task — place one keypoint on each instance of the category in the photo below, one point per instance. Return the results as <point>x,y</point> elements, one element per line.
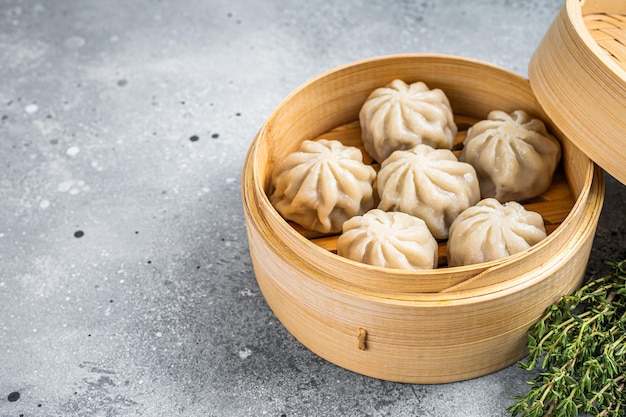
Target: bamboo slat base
<point>609,31</point>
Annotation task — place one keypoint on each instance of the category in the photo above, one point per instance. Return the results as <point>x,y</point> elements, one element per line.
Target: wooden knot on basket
<point>361,338</point>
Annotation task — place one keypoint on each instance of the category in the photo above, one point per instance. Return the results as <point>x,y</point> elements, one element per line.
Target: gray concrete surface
<point>126,287</point>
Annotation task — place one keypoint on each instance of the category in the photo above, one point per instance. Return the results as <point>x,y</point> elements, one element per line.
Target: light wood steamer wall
<point>434,326</point>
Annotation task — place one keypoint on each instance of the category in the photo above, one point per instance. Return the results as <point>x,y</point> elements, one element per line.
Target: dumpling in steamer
<point>391,240</point>
<point>427,183</point>
<point>491,230</point>
<point>323,184</point>
<point>400,116</point>
<point>514,155</point>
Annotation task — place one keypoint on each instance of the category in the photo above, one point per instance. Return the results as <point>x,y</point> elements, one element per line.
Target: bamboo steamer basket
<point>578,74</point>
<point>434,326</point>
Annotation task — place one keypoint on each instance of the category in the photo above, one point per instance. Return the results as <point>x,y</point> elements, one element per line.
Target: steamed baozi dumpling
<point>400,116</point>
<point>323,184</point>
<point>514,155</point>
<point>391,240</point>
<point>491,230</point>
<point>427,183</point>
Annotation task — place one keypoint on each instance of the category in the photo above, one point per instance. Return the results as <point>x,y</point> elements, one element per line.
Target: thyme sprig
<point>580,345</point>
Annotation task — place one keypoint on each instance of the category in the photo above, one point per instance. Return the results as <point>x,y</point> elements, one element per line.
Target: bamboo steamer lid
<point>578,74</point>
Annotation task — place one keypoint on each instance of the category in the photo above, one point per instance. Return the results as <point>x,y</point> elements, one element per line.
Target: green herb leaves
<point>580,344</point>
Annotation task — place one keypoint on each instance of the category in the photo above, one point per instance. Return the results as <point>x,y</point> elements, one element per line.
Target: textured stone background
<point>126,287</point>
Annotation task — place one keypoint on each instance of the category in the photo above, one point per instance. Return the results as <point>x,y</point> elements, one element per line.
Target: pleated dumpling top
<point>400,116</point>
<point>323,184</point>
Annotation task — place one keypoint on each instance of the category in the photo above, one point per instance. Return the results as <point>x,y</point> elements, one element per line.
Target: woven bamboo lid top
<point>609,31</point>
<point>578,74</point>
